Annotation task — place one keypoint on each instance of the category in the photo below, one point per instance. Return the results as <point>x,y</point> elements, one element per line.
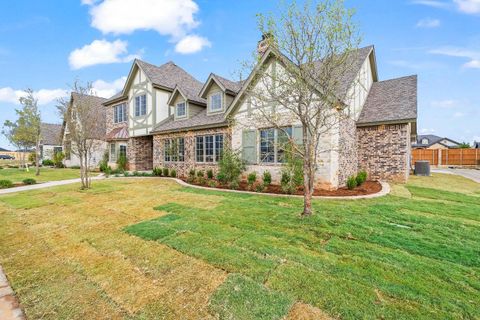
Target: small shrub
<point>267,178</point>
<point>234,184</point>
<point>259,187</point>
<point>191,173</point>
<point>157,172</point>
<point>173,173</point>
<point>200,174</point>
<point>286,183</point>
<point>75,167</point>
<point>136,173</point>
<point>351,182</point>
<point>103,164</point>
<point>108,171</point>
<point>165,172</point>
<point>210,174</point>
<point>29,181</point>
<point>5,184</point>
<point>231,167</point>
<point>251,178</point>
<point>122,162</point>
<point>191,179</point>
<point>361,177</point>
<point>47,163</point>
<point>58,159</point>
<point>202,181</point>
<point>126,174</point>
<point>221,177</point>
<point>212,183</point>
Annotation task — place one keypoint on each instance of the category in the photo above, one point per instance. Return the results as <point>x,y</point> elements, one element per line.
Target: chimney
<point>263,44</point>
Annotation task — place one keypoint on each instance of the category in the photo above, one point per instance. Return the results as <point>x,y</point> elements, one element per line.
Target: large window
<point>140,105</point>
<point>174,150</point>
<point>273,143</point>
<point>216,102</point>
<point>113,155</point>
<point>120,113</point>
<point>181,110</point>
<point>122,151</point>
<point>208,148</point>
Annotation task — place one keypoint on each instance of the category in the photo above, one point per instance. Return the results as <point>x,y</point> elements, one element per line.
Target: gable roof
<point>390,101</point>
<point>51,134</point>
<point>432,139</point>
<point>99,112</point>
<point>198,121</point>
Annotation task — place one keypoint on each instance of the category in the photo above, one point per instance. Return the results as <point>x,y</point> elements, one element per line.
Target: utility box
<point>422,168</point>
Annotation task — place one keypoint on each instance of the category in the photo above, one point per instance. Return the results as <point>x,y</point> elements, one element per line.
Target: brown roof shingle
<point>51,134</point>
<point>197,121</point>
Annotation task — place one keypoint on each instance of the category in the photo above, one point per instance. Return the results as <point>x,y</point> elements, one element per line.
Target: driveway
<point>471,174</point>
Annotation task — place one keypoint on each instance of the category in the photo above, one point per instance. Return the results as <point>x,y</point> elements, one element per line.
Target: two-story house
<point>163,108</point>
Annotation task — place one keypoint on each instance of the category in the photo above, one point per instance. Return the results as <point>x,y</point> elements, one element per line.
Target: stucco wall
<point>384,151</point>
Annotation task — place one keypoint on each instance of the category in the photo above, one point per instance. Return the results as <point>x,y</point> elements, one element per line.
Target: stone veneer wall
<point>347,153</point>
<point>384,151</point>
<point>140,153</point>
<point>184,167</point>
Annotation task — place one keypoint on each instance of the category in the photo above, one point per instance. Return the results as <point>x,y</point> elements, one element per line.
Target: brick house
<point>162,107</point>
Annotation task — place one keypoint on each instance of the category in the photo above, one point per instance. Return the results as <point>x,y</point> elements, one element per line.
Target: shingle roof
<point>390,101</point>
<point>432,139</point>
<point>99,113</point>
<point>234,86</point>
<point>51,134</point>
<point>197,121</point>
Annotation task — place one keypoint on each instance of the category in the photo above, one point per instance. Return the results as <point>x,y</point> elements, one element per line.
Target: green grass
<point>46,174</point>
<point>392,257</point>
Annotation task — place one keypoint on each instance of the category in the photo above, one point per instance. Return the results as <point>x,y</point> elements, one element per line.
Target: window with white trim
<point>174,150</point>
<point>216,101</point>
<point>273,143</point>
<point>208,148</point>
<point>120,113</point>
<point>140,105</point>
<point>113,156</point>
<point>181,110</point>
<point>122,151</point>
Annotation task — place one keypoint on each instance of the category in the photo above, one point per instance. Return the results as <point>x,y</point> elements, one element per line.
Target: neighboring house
<point>51,140</point>
<point>476,145</point>
<point>97,134</point>
<point>164,106</point>
<point>430,141</point>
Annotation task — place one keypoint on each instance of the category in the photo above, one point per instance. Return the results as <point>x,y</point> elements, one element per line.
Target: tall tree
<point>314,44</point>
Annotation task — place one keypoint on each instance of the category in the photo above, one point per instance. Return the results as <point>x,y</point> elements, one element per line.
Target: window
<point>120,113</point>
<point>181,112</point>
<point>113,157</point>
<point>273,143</point>
<point>122,151</point>
<point>174,150</point>
<point>216,101</point>
<point>57,150</point>
<point>208,148</point>
<point>140,105</point>
<point>424,141</point>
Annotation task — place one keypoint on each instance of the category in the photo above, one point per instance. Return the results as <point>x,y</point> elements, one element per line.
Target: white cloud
<point>89,2</point>
<point>468,6</point>
<point>192,44</point>
<point>107,89</point>
<point>432,3</point>
<point>474,64</point>
<point>472,55</point>
<point>449,103</point>
<point>458,114</point>
<point>428,23</point>
<point>44,96</point>
<point>100,52</point>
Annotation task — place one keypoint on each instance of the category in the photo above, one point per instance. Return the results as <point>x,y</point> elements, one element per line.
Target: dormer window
<point>216,102</point>
<point>424,141</point>
<point>181,110</point>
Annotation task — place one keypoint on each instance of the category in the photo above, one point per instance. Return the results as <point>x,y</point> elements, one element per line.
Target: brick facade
<point>384,151</point>
<point>189,163</point>
<point>110,125</point>
<point>140,153</point>
<point>347,151</point>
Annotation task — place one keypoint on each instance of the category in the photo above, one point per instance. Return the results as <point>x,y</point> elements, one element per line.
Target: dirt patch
<point>302,311</point>
<point>369,187</point>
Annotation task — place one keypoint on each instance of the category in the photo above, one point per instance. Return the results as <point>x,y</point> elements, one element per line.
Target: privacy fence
<point>448,157</point>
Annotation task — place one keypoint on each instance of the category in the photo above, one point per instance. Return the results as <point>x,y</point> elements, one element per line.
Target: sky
<point>47,45</point>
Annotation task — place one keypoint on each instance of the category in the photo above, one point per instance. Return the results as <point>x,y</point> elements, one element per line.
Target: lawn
<point>46,174</point>
<point>150,249</point>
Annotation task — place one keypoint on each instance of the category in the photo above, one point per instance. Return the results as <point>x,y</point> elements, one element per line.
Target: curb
<point>9,306</point>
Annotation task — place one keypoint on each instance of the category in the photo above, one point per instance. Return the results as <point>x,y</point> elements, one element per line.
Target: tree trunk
<point>308,178</point>
<point>37,158</point>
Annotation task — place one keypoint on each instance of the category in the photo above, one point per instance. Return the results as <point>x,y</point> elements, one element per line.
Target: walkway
<point>9,307</point>
<point>46,185</point>
<point>471,174</point>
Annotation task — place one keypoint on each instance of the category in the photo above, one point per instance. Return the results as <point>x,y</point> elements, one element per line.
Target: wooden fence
<point>447,157</point>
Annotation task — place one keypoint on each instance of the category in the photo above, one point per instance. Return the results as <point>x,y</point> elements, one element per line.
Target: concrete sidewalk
<point>9,307</point>
<point>46,185</point>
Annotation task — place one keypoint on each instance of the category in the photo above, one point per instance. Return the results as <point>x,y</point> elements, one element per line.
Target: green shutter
<point>249,146</point>
<point>297,134</point>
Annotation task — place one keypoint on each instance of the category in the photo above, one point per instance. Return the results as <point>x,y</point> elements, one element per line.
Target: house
<point>430,141</point>
<point>98,130</point>
<point>476,145</point>
<point>164,106</point>
<point>51,140</point>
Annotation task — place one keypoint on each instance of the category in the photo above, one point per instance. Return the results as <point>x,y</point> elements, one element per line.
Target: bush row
<point>358,180</point>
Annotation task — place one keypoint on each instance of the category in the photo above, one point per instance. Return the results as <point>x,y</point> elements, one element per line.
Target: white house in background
<point>51,140</point>
<point>430,141</point>
<point>98,134</point>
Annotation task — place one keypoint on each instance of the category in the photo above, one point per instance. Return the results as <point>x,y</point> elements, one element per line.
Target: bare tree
<point>314,47</point>
<point>81,117</point>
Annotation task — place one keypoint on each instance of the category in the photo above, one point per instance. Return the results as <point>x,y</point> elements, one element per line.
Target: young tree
<point>314,45</point>
<point>80,120</point>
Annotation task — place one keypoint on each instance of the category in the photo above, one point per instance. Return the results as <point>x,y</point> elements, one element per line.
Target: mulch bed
<point>369,187</point>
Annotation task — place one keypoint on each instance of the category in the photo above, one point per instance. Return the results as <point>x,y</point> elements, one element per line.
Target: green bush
<point>259,187</point>
<point>173,173</point>
<point>58,159</point>
<point>286,183</point>
<point>361,177</point>
<point>351,182</point>
<point>5,184</point>
<point>147,174</point>
<point>165,172</point>
<point>292,172</point>
<point>191,173</point>
<point>221,177</point>
<point>200,174</point>
<point>103,164</point>
<point>212,183</point>
<point>267,178</point>
<point>47,163</point>
<point>157,172</point>
<point>230,167</point>
<point>210,174</point>
<point>126,174</point>
<point>75,167</point>
<point>108,171</point>
<point>251,178</point>
<point>29,181</point>
<point>122,163</point>
<point>135,173</point>
<point>202,181</point>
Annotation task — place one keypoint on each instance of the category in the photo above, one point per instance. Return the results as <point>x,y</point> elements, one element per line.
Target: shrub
<point>221,177</point>
<point>147,174</point>
<point>202,181</point>
<point>75,167</point>
<point>191,173</point>
<point>259,187</point>
<point>136,173</point>
<point>212,183</point>
<point>286,183</point>
<point>58,159</point>
<point>251,179</point>
<point>47,163</point>
<point>29,181</point>
<point>126,174</point>
<point>210,174</point>
<point>191,179</point>
<point>165,172</point>
<point>173,173</point>
<point>108,171</point>
<point>230,167</point>
<point>351,182</point>
<point>5,184</point>
<point>292,172</point>
<point>267,178</point>
<point>32,157</point>
<point>103,164</point>
<point>157,172</point>
<point>361,177</point>
<point>200,174</point>
<point>122,163</point>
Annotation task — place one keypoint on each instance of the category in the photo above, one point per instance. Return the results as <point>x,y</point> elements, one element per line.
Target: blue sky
<point>47,44</point>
